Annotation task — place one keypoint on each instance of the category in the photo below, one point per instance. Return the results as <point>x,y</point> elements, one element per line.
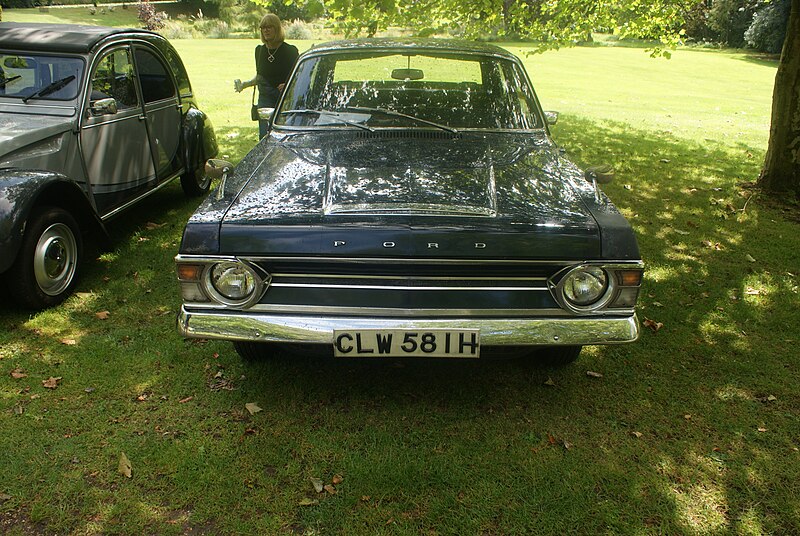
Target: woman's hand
<point>280,87</point>
<point>238,86</point>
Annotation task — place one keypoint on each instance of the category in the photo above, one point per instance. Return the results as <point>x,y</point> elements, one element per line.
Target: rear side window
<point>156,82</point>
<point>178,70</point>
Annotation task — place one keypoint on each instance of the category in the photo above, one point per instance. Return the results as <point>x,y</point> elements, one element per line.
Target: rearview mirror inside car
<point>408,74</point>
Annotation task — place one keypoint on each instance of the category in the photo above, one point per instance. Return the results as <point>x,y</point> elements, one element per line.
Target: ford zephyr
<point>409,201</point>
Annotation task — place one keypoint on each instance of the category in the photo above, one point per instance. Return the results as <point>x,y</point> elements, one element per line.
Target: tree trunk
<point>781,173</point>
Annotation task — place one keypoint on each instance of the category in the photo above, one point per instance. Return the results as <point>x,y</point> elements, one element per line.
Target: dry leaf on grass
<point>51,382</point>
<point>102,315</point>
<point>253,408</point>
<point>17,374</point>
<point>652,324</point>
<point>125,466</point>
<point>69,342</point>
<point>337,479</point>
<point>593,374</point>
<point>330,489</point>
<point>150,226</point>
<point>308,502</point>
<point>637,435</point>
<point>185,400</point>
<point>318,485</point>
<point>549,381</point>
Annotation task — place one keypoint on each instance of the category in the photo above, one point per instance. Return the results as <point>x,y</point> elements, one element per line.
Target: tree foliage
<point>550,23</point>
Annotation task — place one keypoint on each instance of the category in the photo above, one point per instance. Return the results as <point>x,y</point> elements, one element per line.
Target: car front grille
<point>408,287</point>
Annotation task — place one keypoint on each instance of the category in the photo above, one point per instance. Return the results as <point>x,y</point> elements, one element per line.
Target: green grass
<point>126,18</point>
<point>694,429</point>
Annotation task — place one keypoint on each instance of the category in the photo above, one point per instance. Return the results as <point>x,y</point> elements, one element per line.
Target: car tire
<point>195,182</point>
<point>254,351</point>
<point>46,268</point>
<point>558,356</point>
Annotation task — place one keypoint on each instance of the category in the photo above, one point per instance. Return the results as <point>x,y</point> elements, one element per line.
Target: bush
<point>149,17</point>
<point>730,19</point>
<point>768,29</point>
<point>299,29</point>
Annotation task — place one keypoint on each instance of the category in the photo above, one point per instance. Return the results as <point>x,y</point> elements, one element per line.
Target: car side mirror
<point>551,118</point>
<point>104,106</point>
<point>216,168</point>
<point>602,174</point>
<point>265,114</point>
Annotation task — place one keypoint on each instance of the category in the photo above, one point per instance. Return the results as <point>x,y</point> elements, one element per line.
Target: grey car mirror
<point>104,107</point>
<point>265,114</point>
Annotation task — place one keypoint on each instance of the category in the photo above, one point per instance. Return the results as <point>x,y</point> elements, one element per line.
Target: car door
<point>114,141</point>
<point>163,111</point>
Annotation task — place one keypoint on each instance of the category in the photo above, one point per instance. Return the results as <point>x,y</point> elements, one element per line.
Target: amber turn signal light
<point>189,272</point>
<point>630,278</point>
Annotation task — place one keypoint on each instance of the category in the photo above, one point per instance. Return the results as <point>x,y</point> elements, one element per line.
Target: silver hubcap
<point>54,259</point>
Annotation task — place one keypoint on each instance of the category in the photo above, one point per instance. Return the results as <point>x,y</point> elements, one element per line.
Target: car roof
<point>57,37</point>
<point>444,45</point>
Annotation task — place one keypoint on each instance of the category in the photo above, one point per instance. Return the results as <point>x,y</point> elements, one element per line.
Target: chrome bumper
<point>242,326</point>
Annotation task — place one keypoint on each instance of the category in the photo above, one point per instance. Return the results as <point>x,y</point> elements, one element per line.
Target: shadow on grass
<point>691,430</point>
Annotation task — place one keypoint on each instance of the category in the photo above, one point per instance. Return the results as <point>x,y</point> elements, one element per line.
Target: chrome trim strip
<point>147,193</point>
<point>405,277</point>
<point>401,287</point>
<point>414,260</point>
<point>262,327</point>
<point>406,313</point>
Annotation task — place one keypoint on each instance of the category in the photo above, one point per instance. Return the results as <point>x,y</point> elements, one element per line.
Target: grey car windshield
<point>421,89</point>
<point>39,77</point>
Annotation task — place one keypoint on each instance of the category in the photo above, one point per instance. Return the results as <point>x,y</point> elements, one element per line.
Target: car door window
<point>114,78</point>
<point>154,78</point>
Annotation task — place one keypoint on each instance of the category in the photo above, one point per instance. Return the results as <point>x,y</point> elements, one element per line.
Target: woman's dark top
<point>277,71</point>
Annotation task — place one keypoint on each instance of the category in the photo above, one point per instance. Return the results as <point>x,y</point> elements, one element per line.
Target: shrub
<point>211,28</point>
<point>768,29</point>
<point>299,29</point>
<point>149,17</point>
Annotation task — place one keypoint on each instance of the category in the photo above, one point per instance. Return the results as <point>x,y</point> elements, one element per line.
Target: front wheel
<point>46,268</point>
<point>195,182</point>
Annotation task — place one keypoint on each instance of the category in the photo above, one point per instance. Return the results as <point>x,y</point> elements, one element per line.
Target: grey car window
<point>156,82</point>
<point>114,77</point>
<point>22,76</point>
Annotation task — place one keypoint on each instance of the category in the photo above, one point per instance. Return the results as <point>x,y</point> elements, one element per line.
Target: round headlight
<point>233,280</point>
<point>585,286</point>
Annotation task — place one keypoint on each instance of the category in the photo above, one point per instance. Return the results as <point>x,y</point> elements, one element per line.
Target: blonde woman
<point>275,60</point>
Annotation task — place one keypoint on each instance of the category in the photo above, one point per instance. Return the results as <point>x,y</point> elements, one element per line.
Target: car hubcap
<point>54,259</point>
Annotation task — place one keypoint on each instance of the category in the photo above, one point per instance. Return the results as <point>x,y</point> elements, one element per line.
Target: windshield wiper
<point>7,80</point>
<point>50,88</point>
<point>400,114</point>
<point>332,114</point>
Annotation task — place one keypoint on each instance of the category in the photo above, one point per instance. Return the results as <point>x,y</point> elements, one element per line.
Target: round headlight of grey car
<point>585,286</point>
<point>233,281</point>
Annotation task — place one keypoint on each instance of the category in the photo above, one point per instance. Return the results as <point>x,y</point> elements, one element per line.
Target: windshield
<point>425,89</point>
<point>31,76</point>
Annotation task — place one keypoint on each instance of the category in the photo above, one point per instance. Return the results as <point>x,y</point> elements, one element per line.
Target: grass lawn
<point>695,429</point>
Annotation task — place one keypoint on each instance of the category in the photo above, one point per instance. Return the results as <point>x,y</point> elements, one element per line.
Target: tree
<point>781,172</point>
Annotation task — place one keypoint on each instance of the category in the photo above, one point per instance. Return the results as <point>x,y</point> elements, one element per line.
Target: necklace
<point>271,54</point>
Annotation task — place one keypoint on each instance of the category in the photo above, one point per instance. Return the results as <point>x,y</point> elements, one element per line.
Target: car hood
<point>365,178</point>
<point>477,194</point>
<point>21,130</point>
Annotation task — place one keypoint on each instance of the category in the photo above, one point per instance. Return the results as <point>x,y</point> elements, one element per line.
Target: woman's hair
<point>272,20</point>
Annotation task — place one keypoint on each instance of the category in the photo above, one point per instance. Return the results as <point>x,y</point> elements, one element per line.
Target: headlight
<point>584,286</point>
<point>233,281</point>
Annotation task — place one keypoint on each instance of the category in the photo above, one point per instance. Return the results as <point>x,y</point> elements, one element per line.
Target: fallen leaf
<point>102,315</point>
<point>253,408</point>
<point>688,417</point>
<point>337,479</point>
<point>652,324</point>
<point>330,489</point>
<point>752,291</point>
<point>664,160</point>
<point>17,374</point>
<point>185,400</point>
<point>762,429</point>
<point>5,497</point>
<point>150,226</point>
<point>749,258</point>
<point>318,485</point>
<point>551,439</point>
<point>18,410</point>
<point>51,383</point>
<point>308,502</point>
<point>593,374</point>
<point>69,342</point>
<point>637,435</point>
<point>89,390</point>
<point>365,498</point>
<point>772,398</point>
<point>549,381</point>
<point>658,304</point>
<point>567,445</point>
<point>125,466</point>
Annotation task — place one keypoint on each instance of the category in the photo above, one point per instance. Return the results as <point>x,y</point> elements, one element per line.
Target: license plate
<point>407,343</point>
